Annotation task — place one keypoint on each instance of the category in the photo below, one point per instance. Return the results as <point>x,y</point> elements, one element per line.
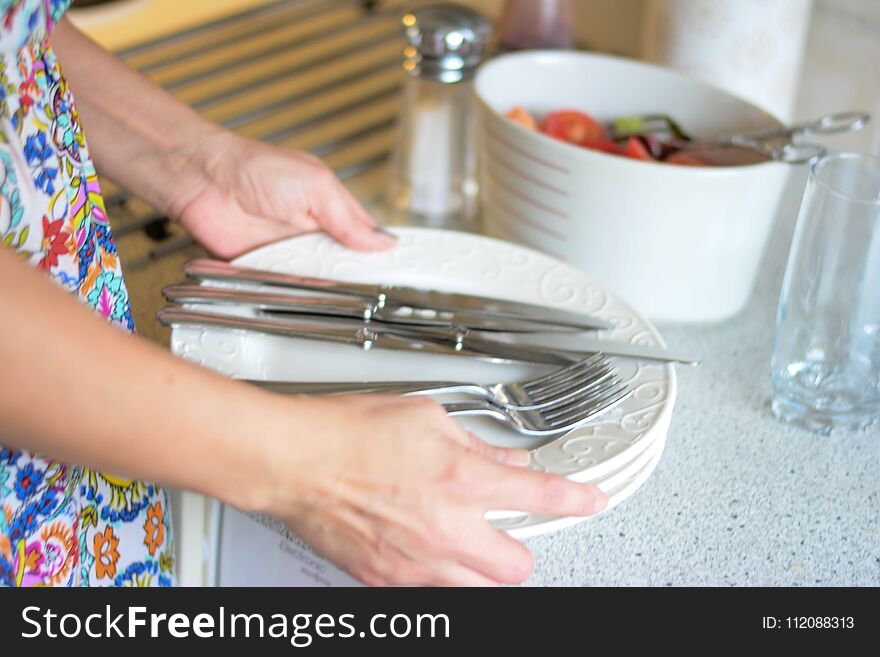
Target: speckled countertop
<point>738,497</point>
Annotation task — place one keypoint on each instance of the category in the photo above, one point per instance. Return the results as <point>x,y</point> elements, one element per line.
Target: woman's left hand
<point>246,193</point>
<point>232,194</point>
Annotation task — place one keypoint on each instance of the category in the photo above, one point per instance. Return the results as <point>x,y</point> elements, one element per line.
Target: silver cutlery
<point>827,124</point>
<point>418,339</point>
<point>593,374</point>
<point>282,303</point>
<point>777,143</point>
<point>549,420</point>
<point>397,296</point>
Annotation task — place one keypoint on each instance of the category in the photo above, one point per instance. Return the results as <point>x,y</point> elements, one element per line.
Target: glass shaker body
<point>433,177</point>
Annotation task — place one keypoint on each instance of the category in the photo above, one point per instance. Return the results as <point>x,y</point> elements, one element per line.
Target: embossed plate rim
<point>537,525</point>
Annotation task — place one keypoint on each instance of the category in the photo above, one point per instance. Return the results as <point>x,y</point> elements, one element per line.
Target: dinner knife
<point>398,296</point>
<point>350,307</point>
<point>436,340</point>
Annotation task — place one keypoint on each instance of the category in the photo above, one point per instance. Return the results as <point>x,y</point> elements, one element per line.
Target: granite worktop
<point>738,498</point>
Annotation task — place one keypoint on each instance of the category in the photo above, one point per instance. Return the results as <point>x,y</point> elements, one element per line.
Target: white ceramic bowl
<point>678,243</point>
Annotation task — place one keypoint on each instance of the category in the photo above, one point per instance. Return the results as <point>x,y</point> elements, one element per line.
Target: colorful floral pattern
<point>63,525</point>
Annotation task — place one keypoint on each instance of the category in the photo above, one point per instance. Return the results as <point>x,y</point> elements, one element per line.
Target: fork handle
<point>388,387</point>
<point>473,407</point>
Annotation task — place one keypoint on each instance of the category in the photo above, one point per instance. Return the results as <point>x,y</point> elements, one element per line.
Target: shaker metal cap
<point>445,40</point>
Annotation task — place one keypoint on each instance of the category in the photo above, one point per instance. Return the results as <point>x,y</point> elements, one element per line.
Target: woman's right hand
<point>394,491</point>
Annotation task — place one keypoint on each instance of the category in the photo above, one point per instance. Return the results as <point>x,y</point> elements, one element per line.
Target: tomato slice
<point>518,115</point>
<point>637,150</point>
<point>572,126</point>
<point>604,145</point>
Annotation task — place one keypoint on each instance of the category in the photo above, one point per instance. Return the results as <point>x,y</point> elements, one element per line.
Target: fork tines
<point>570,381</point>
<point>605,394</point>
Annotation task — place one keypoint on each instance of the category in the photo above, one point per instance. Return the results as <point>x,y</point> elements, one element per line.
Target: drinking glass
<point>826,355</point>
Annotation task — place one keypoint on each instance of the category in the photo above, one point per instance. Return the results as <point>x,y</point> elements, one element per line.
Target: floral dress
<point>61,524</point>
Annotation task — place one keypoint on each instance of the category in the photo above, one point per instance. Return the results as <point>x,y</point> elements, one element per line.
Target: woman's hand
<point>246,193</point>
<point>394,491</point>
<point>231,193</point>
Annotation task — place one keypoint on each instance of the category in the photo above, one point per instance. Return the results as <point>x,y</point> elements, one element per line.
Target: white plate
<point>618,487</point>
<point>463,263</point>
<point>608,482</point>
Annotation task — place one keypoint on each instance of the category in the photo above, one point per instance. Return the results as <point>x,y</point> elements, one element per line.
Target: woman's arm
<point>139,135</point>
<point>231,193</point>
<point>389,487</point>
<point>81,391</point>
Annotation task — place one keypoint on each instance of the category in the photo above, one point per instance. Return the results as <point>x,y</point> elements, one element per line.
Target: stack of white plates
<point>618,451</point>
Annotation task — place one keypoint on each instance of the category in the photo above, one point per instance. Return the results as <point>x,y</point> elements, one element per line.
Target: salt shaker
<point>433,176</point>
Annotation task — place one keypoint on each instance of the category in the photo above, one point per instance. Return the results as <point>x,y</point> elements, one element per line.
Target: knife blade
<point>398,295</point>
<point>287,304</point>
<point>424,340</point>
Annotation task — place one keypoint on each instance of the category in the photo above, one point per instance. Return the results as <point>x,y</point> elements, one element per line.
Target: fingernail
<point>517,457</point>
<point>386,233</point>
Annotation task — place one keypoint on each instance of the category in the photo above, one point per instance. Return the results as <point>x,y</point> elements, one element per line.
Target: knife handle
<point>351,307</point>
<point>374,387</point>
<point>206,269</point>
<point>354,335</point>
<point>341,330</point>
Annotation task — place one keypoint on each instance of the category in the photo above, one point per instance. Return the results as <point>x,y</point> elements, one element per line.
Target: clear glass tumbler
<point>826,356</point>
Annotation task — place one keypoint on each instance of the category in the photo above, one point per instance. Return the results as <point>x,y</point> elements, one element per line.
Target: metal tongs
<point>774,144</point>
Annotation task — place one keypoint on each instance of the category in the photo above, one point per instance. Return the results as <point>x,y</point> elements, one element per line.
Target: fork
<point>550,420</point>
<point>589,375</point>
